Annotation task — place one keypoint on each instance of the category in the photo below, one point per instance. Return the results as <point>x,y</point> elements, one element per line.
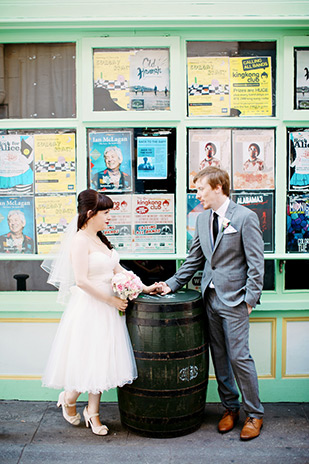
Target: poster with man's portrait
<point>253,159</point>
<point>17,225</point>
<point>262,203</point>
<point>110,160</point>
<point>208,147</point>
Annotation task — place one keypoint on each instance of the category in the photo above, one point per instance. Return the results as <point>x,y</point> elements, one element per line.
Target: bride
<point>92,351</point>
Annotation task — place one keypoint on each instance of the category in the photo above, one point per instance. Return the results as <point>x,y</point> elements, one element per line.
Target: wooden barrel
<point>168,337</point>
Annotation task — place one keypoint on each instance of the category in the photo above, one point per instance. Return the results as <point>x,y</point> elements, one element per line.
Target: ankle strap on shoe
<point>68,405</point>
<point>93,415</point>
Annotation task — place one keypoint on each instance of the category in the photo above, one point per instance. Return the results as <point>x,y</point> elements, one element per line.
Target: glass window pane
<point>296,275</point>
<point>39,81</point>
<point>28,276</point>
<point>151,271</point>
<point>231,78</point>
<point>129,79</point>
<point>269,275</point>
<point>37,188</point>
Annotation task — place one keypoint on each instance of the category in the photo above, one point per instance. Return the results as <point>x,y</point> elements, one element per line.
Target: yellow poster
<point>251,90</point>
<point>53,214</point>
<point>54,163</point>
<point>208,86</point>
<point>111,75</point>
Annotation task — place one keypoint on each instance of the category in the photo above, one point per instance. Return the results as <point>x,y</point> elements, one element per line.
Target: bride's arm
<point>146,288</point>
<point>80,256</point>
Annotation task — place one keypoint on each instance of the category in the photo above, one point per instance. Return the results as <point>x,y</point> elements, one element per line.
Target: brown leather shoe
<point>228,421</point>
<point>251,428</point>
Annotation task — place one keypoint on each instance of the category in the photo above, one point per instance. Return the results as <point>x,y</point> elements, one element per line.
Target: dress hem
<point>89,390</point>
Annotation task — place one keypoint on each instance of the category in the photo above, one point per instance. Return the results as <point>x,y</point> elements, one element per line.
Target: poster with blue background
<point>152,157</point>
<point>17,225</point>
<point>110,158</point>
<point>297,225</point>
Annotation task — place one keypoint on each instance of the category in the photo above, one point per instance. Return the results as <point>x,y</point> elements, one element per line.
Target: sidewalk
<point>36,433</point>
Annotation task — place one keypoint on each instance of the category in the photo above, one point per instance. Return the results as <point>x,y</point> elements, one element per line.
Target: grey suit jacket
<point>235,265</point>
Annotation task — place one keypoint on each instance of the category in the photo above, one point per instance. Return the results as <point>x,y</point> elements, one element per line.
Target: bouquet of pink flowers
<point>127,285</point>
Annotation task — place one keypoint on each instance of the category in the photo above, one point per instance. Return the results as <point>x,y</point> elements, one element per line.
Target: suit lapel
<point>229,214</point>
<point>205,236</point>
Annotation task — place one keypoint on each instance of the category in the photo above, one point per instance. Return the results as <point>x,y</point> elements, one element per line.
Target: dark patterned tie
<point>215,227</point>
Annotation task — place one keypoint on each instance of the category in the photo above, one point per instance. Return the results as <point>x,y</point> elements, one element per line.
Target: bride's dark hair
<point>93,201</point>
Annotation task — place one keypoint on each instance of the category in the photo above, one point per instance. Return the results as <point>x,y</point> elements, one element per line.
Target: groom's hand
<point>164,288</point>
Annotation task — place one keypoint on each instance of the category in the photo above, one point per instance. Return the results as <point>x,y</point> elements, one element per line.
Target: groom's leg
<point>236,323</point>
<point>224,374</point>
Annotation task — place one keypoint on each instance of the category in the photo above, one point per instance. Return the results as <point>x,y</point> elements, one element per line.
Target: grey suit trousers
<point>229,345</point>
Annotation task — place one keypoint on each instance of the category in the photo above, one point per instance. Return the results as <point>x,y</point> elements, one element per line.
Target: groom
<point>228,245</point>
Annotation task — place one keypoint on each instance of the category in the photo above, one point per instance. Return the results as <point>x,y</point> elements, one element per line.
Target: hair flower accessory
<point>127,285</point>
<point>225,223</point>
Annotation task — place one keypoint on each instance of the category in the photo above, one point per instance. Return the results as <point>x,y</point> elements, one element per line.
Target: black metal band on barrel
<point>165,393</point>
<point>165,356</point>
<point>167,307</point>
<point>161,420</point>
<point>165,322</point>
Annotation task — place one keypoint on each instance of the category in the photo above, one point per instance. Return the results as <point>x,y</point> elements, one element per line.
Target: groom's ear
<point>218,188</point>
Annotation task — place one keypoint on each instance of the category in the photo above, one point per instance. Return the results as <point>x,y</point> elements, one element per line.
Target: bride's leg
<point>67,401</point>
<point>71,398</point>
<point>94,407</point>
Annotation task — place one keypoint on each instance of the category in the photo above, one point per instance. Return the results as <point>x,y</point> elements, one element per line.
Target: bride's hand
<point>152,289</point>
<point>118,303</point>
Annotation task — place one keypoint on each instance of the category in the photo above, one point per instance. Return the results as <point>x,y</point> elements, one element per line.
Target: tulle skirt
<point>92,351</point>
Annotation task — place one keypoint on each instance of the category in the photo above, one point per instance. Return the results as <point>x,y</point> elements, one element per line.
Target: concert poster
<point>253,159</point>
<point>154,223</point>
<point>17,225</point>
<point>208,147</point>
<point>298,161</point>
<point>151,157</point>
<point>53,214</point>
<point>150,80</point>
<point>301,79</point>
<point>262,204</point>
<point>111,76</point>
<point>251,86</point>
<point>110,160</point>
<point>297,225</point>
<point>120,228</point>
<point>208,86</point>
<point>194,208</point>
<point>55,163</point>
<point>16,164</point>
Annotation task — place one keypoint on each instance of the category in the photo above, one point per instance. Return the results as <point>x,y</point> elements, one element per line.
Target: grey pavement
<point>36,433</point>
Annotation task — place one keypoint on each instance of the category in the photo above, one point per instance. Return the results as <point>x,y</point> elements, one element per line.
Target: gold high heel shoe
<point>100,429</point>
<point>73,420</point>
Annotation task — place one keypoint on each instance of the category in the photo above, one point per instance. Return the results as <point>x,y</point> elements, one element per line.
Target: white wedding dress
<point>92,351</point>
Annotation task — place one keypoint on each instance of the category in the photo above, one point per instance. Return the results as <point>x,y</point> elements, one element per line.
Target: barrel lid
<point>177,297</point>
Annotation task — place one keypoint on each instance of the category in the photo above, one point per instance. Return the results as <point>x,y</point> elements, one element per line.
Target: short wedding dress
<point>92,351</point>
